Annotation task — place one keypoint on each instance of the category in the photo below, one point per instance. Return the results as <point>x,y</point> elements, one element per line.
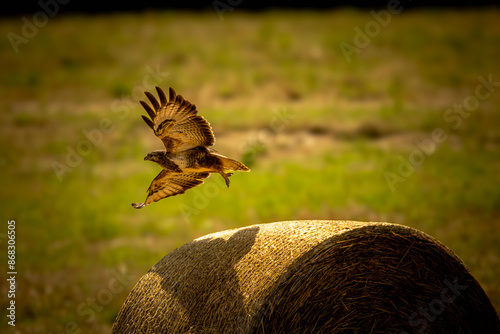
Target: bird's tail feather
<point>233,165</point>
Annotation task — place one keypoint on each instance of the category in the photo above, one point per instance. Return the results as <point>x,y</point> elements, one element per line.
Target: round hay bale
<point>309,277</point>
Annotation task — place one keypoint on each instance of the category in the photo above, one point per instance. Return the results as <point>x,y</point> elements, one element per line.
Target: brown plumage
<point>187,158</point>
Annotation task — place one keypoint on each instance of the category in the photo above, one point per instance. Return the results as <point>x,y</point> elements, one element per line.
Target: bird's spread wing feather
<point>176,122</point>
<point>168,184</point>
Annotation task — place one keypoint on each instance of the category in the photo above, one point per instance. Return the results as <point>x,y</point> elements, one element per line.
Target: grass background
<point>319,132</point>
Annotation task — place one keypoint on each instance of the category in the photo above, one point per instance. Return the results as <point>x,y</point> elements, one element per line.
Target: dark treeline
<point>93,6</point>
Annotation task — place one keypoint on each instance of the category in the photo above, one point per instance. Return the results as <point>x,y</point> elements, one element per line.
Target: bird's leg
<point>226,177</point>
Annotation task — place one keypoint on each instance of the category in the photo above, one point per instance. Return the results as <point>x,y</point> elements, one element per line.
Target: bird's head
<point>153,156</point>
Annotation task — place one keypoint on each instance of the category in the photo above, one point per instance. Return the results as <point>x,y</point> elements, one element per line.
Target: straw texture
<point>309,277</point>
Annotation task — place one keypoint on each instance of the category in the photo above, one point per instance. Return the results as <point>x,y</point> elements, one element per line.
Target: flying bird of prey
<point>187,158</point>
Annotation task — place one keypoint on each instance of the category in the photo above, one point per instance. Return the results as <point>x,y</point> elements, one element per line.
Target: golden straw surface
<point>309,277</point>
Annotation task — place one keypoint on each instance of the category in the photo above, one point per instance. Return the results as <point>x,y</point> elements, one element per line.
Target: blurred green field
<point>320,134</point>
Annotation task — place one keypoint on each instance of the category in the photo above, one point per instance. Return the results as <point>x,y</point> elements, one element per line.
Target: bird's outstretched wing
<point>168,184</point>
<point>176,122</point>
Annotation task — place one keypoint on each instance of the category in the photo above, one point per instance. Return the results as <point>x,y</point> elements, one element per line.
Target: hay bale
<point>309,277</point>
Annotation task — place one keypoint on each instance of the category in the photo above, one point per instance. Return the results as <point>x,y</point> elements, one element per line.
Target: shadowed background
<point>327,134</point>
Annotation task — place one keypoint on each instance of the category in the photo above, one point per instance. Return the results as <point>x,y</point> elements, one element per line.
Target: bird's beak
<point>146,158</point>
